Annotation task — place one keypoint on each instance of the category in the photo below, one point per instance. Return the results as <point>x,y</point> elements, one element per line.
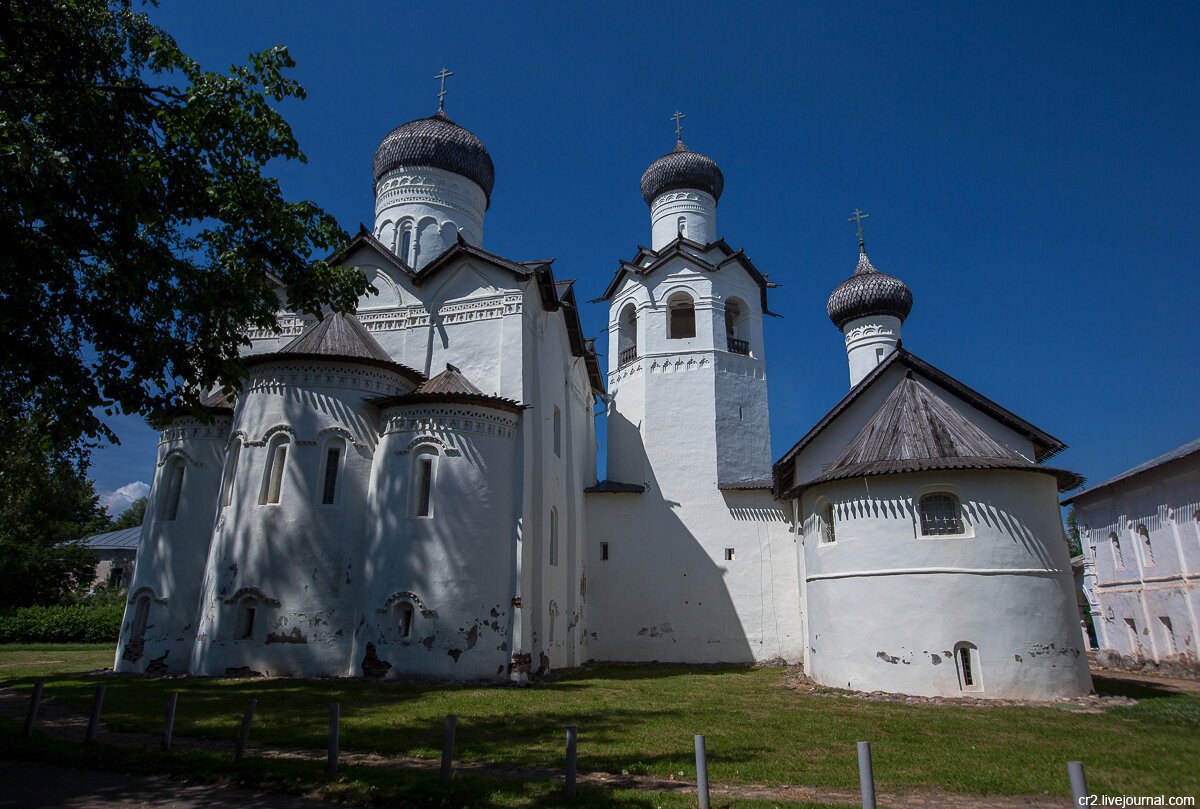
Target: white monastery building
<point>411,491</point>
<point>1141,543</point>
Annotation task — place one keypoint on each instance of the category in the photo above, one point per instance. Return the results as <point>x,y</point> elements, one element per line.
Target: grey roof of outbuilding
<point>682,168</point>
<point>125,539</point>
<point>915,430</point>
<point>1190,448</point>
<point>868,292</point>
<point>439,143</point>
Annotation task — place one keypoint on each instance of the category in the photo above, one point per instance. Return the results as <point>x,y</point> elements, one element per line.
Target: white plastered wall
<point>1147,610</point>
<point>170,552</point>
<point>888,608</point>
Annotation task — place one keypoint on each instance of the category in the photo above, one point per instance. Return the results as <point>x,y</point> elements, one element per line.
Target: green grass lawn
<point>641,719</point>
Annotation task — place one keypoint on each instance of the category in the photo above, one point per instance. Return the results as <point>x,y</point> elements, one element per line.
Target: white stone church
<point>411,491</point>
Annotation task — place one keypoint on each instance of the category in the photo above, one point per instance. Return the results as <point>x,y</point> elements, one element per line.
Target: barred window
<point>940,514</point>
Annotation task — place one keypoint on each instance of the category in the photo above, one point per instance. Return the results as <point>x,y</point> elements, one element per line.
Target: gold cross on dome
<point>678,119</point>
<point>445,74</point>
<point>858,217</point>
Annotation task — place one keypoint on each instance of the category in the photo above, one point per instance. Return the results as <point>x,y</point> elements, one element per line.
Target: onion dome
<point>868,292</point>
<point>436,142</point>
<point>682,169</point>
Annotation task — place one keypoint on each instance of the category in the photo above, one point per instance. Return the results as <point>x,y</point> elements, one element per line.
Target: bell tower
<point>687,370</point>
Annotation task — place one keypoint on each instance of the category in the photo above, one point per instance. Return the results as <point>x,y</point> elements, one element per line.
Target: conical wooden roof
<point>450,380</point>
<point>916,430</point>
<point>337,335</point>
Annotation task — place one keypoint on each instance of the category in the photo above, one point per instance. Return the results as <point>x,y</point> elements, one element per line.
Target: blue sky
<point>1030,170</point>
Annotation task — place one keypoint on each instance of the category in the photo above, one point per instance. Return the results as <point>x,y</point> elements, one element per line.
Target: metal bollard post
<point>94,720</point>
<point>169,722</point>
<point>34,701</point>
<point>572,733</point>
<point>448,748</point>
<point>1079,790</point>
<point>702,772</point>
<point>866,778</point>
<point>335,712</point>
<point>244,733</point>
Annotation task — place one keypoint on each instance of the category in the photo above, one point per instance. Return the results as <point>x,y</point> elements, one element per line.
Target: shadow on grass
<point>367,785</point>
<point>1158,704</point>
<point>501,727</point>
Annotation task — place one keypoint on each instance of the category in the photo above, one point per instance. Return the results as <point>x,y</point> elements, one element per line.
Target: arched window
<point>404,620</point>
<point>331,471</point>
<point>406,243</point>
<point>172,483</point>
<point>1147,548</point>
<point>231,464</point>
<point>735,315</point>
<point>553,535</point>
<point>141,616</point>
<point>423,473</point>
<point>627,335</point>
<point>247,615</point>
<point>941,515</point>
<point>272,485</point>
<point>681,316</point>
<point>682,225</point>
<point>1118,557</point>
<point>827,529</point>
<point>966,660</point>
<point>557,432</point>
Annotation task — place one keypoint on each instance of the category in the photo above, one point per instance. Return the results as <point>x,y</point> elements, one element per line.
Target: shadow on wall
<point>660,595</point>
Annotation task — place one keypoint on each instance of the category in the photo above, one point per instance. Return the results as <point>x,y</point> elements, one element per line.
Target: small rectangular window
<point>114,577</point>
<point>329,488</point>
<point>424,486</point>
<point>245,627</point>
<point>729,554</point>
<point>404,621</point>
<point>603,551</point>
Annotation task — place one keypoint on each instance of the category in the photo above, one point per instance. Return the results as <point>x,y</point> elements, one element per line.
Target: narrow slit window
<point>424,487</point>
<point>828,534</point>
<point>557,432</point>
<point>603,551</point>
<point>329,484</point>
<point>554,536</point>
<point>141,616</point>
<point>406,245</point>
<point>231,465</point>
<point>245,620</point>
<point>174,478</point>
<point>682,226</point>
<point>276,464</point>
<point>404,620</point>
<point>729,554</point>
<point>966,656</point>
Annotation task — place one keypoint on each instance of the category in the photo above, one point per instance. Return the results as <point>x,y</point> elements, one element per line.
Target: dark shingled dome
<point>868,292</point>
<point>682,169</point>
<point>439,143</point>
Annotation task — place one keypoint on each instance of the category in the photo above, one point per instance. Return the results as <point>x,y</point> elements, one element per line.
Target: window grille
<point>940,515</point>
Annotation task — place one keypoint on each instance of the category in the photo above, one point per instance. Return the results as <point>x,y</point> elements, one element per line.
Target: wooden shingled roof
<point>450,380</point>
<point>338,335</point>
<point>915,430</point>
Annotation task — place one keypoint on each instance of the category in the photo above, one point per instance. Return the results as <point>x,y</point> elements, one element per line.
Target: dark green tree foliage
<point>46,500</point>
<point>132,516</point>
<point>1073,541</point>
<point>140,237</point>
